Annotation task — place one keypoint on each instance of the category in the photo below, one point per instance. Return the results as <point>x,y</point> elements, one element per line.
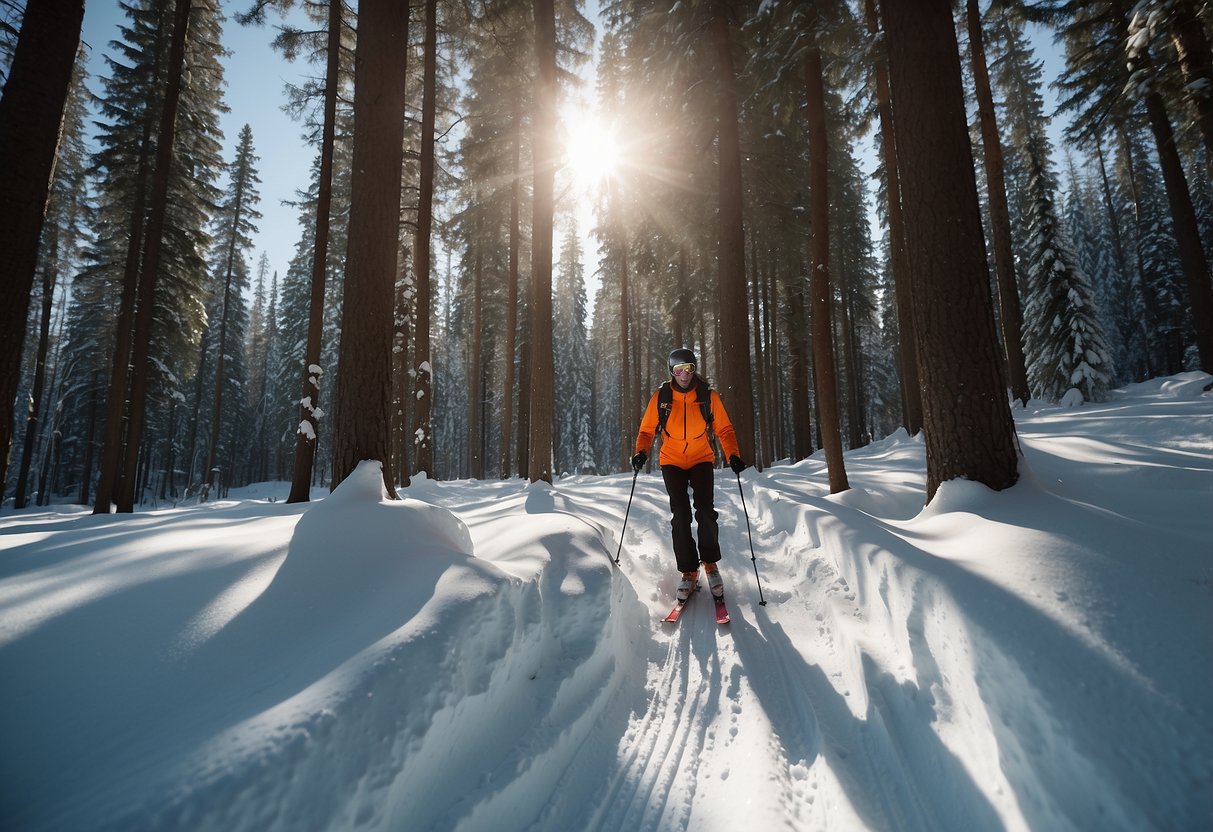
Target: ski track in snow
<point>912,670</point>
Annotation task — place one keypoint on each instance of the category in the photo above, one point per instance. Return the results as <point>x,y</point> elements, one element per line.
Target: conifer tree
<point>572,356</point>
<point>235,222</point>
<point>1063,334</point>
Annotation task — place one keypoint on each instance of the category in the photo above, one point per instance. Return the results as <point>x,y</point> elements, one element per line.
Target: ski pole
<point>625,516</point>
<point>761,601</point>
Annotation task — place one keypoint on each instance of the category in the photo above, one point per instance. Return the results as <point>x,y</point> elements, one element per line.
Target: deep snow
<point>469,659</point>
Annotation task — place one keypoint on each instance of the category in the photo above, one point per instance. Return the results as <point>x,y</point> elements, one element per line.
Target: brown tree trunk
<point>362,425</point>
<point>475,391</point>
<point>149,272</point>
<point>309,397</point>
<point>511,303</point>
<point>31,115</point>
<point>425,218</point>
<point>1000,216</point>
<point>627,404</point>
<point>545,156</point>
<point>967,419</point>
<point>820,293</point>
<point>733,355</point>
<point>907,338</point>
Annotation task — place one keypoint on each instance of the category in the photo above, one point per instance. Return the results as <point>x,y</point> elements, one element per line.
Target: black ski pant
<point>699,479</point>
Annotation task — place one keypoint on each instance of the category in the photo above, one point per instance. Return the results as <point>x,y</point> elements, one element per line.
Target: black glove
<point>639,460</point>
<point>736,464</point>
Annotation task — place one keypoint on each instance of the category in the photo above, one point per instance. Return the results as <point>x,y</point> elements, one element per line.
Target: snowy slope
<point>469,659</point>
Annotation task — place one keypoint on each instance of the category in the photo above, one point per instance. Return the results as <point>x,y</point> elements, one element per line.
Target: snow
<point>467,658</point>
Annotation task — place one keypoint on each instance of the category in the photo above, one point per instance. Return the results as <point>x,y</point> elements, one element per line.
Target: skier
<point>686,412</point>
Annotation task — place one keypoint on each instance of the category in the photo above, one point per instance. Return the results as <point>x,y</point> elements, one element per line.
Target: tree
<point>821,294</point>
<point>236,223</point>
<point>545,154</point>
<point>969,432</point>
<point>1011,317</point>
<point>421,251</point>
<point>735,373</point>
<point>907,359</point>
<point>31,116</point>
<point>64,229</point>
<point>363,412</point>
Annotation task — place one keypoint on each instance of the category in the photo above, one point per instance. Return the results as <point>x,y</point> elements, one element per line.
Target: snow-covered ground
<point>469,659</point>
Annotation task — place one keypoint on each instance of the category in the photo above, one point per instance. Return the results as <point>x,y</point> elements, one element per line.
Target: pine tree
<point>572,356</point>
<point>235,222</point>
<point>1063,334</point>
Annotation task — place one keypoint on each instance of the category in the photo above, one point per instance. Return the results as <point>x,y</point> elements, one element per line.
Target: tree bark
<point>966,416</point>
<point>309,397</point>
<point>545,156</point>
<point>907,358</point>
<point>50,277</point>
<point>820,292</point>
<point>31,117</point>
<point>421,252</point>
<point>511,302</point>
<point>733,355</point>
<point>362,424</point>
<point>1011,318</point>
<point>627,401</point>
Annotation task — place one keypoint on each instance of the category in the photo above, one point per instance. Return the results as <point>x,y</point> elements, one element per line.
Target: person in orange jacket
<point>686,461</point>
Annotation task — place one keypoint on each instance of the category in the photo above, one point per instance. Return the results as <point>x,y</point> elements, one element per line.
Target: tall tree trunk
<point>907,337</point>
<point>362,424</point>
<point>309,399</point>
<point>1000,216</point>
<point>820,292</point>
<point>511,302</point>
<point>545,155</point>
<point>733,355</point>
<point>149,273</point>
<point>31,117</point>
<point>967,419</point>
<point>627,402</point>
<point>50,276</point>
<point>425,217</point>
<point>475,393</point>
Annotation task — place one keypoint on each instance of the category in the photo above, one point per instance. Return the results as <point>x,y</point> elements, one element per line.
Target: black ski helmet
<point>682,356</point>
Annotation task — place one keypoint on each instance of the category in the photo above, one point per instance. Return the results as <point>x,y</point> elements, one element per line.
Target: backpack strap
<point>665,401</point>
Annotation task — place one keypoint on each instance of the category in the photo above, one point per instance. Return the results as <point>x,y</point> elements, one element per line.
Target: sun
<point>591,149</point>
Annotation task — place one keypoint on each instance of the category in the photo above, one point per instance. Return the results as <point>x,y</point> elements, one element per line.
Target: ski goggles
<point>679,369</point>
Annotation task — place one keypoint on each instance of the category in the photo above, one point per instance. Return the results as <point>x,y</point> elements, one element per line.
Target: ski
<point>676,612</point>
<point>722,612</point>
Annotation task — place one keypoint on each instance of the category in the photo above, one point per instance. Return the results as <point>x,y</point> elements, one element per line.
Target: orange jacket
<point>686,442</point>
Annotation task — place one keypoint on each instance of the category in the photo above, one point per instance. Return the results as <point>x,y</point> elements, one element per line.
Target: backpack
<point>665,402</point>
